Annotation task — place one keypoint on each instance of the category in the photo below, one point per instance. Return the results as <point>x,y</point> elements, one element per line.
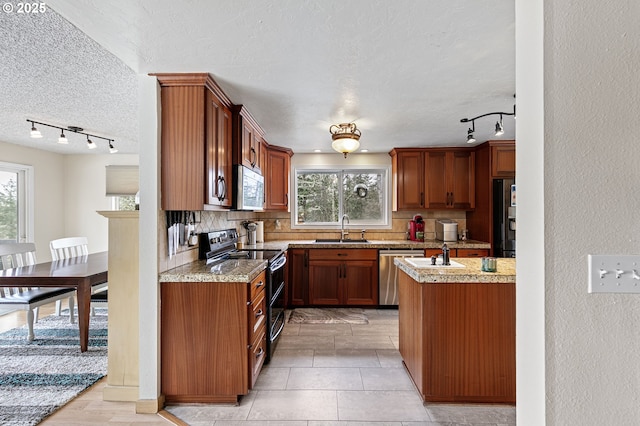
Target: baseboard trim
<point>150,406</point>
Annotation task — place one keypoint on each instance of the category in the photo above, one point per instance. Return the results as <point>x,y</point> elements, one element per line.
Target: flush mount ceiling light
<point>346,138</point>
<point>35,133</point>
<point>499,125</point>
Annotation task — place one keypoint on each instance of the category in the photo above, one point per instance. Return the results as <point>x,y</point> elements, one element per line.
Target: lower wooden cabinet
<point>333,277</point>
<point>213,339</point>
<point>458,340</point>
<point>458,252</point>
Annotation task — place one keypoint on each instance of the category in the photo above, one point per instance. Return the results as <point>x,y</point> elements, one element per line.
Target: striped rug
<point>38,377</point>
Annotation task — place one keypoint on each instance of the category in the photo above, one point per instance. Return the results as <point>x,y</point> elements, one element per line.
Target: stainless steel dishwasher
<point>388,278</point>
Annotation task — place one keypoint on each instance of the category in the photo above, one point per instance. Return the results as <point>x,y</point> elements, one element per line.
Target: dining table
<point>80,273</point>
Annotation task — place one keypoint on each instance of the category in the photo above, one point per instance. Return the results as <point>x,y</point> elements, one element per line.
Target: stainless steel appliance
<point>504,218</point>
<point>446,230</point>
<point>250,189</point>
<point>388,278</point>
<point>219,246</point>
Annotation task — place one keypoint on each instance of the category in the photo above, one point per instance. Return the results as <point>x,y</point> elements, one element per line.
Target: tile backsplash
<point>277,226</point>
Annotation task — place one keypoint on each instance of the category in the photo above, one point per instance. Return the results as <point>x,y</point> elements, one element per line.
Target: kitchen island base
<point>457,340</point>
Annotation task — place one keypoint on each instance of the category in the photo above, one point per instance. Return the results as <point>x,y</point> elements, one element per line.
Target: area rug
<point>328,316</point>
<point>39,377</point>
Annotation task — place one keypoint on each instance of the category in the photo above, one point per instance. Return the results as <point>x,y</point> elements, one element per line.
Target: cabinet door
<point>249,153</point>
<point>325,287</point>
<point>360,282</point>
<point>298,272</point>
<point>410,180</point>
<point>438,194</point>
<point>276,175</point>
<point>472,252</point>
<point>503,161</point>
<point>461,180</point>
<point>219,155</point>
<point>183,148</point>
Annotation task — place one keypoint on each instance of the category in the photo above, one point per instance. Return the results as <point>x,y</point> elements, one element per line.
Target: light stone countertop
<point>232,270</point>
<point>506,272</point>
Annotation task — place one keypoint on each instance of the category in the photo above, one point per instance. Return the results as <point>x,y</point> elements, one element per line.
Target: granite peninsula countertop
<point>232,270</point>
<point>471,273</point>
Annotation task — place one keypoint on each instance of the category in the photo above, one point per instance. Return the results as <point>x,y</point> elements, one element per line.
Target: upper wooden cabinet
<point>433,178</point>
<point>219,152</point>
<point>195,158</point>
<point>276,177</point>
<point>503,159</point>
<point>248,139</point>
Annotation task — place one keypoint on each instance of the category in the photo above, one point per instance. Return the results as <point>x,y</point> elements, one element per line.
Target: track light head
<point>63,139</point>
<point>112,150</point>
<point>90,144</point>
<point>35,133</point>
<point>499,128</point>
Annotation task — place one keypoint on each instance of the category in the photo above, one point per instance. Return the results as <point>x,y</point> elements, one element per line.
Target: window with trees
<point>16,193</point>
<point>323,196</point>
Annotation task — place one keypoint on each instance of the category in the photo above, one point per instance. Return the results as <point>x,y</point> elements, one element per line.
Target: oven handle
<point>279,263</point>
<point>274,336</point>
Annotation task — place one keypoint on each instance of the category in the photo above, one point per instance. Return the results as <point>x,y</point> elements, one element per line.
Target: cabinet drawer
<point>472,252</point>
<point>257,315</point>
<point>258,285</point>
<point>343,254</point>
<point>257,354</point>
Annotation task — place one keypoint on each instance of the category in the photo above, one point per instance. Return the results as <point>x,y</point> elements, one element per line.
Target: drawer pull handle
<point>260,352</point>
<point>259,283</point>
<point>259,312</point>
<point>343,254</point>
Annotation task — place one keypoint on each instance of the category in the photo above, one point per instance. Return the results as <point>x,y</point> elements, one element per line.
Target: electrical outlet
<point>614,273</point>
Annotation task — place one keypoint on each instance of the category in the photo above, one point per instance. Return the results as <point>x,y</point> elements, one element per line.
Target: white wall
<point>592,206</point>
<point>84,194</point>
<point>69,189</point>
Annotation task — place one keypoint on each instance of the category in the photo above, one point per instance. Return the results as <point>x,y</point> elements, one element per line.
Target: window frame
<point>386,211</point>
<point>25,187</point>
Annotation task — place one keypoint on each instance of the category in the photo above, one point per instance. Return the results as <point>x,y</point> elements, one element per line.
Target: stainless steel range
<point>219,246</point>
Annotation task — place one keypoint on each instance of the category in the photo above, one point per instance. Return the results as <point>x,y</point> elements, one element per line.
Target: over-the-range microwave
<point>250,189</point>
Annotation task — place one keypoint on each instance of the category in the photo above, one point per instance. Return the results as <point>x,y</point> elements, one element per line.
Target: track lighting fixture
<point>35,133</point>
<point>499,125</point>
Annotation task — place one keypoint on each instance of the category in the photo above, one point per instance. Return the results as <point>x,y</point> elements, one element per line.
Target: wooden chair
<point>66,248</point>
<point>18,255</point>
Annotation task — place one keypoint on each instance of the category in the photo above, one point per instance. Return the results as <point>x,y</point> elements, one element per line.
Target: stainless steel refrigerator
<point>504,217</point>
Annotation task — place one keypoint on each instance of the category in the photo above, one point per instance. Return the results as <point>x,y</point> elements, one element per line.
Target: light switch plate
<point>614,273</point>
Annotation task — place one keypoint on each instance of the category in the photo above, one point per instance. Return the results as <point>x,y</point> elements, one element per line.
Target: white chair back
<point>15,255</point>
<point>66,248</point>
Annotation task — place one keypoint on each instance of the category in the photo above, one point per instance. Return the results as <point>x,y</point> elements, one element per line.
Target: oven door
<point>276,303</point>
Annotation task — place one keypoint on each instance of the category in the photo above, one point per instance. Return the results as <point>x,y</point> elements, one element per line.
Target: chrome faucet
<point>343,233</point>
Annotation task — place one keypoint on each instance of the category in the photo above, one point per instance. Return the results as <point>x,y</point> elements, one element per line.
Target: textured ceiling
<point>406,71</point>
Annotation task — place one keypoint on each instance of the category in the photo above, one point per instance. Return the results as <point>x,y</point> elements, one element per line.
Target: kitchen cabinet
<point>449,176</point>
<point>248,139</point>
<point>298,284</point>
<point>194,127</point>
<point>219,148</point>
<point>213,339</point>
<point>276,177</point>
<point>458,252</point>
<point>343,277</point>
<point>433,178</point>
<point>494,160</point>
<point>457,340</point>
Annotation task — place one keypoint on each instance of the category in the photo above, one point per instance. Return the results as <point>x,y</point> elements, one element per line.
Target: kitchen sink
<point>425,262</point>
<point>337,240</point>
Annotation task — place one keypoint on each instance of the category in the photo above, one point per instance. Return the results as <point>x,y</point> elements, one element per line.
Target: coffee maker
<point>416,228</point>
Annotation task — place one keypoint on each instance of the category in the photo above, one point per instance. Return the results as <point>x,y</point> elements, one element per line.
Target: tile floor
<point>340,374</point>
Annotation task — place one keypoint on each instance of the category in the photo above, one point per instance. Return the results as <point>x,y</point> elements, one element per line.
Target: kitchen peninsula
<point>457,330</point>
